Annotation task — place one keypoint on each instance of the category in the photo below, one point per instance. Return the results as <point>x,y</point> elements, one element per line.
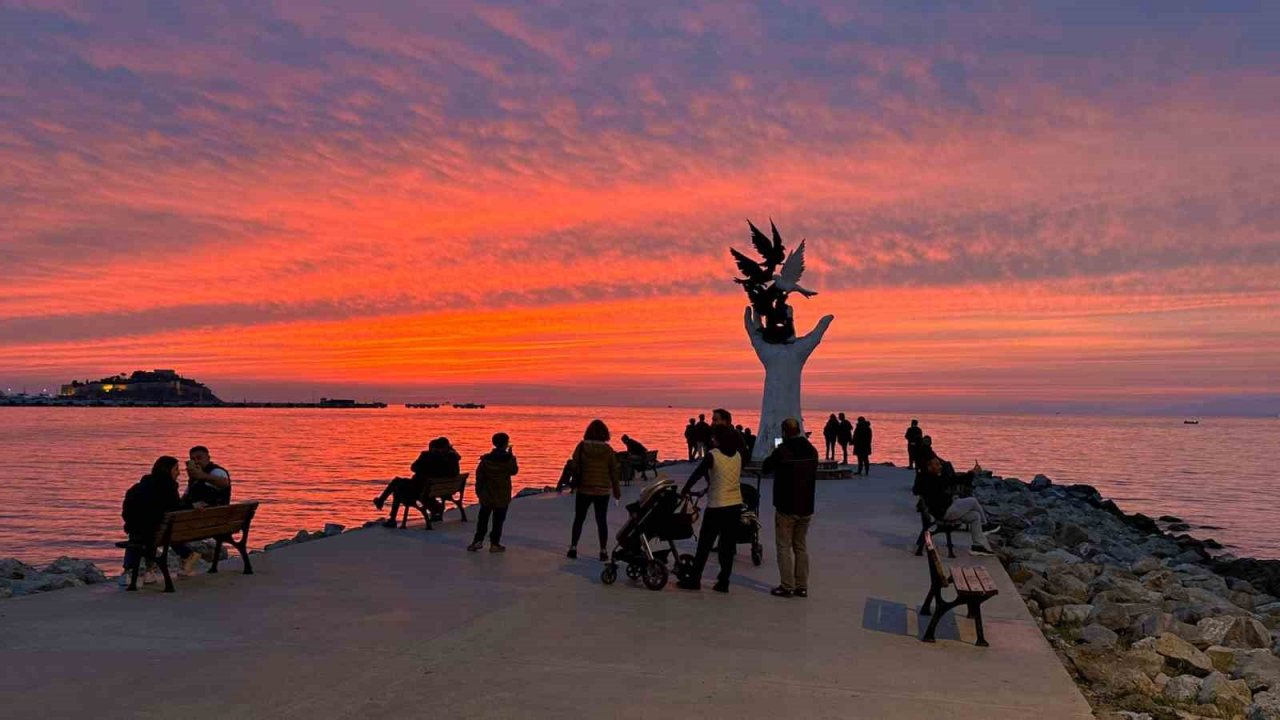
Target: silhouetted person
<point>925,452</point>
<point>862,445</point>
<point>144,508</point>
<point>722,468</point>
<point>702,432</point>
<point>844,436</point>
<point>635,455</point>
<point>829,433</point>
<point>913,436</point>
<point>596,475</point>
<point>439,460</point>
<point>208,483</point>
<point>719,417</point>
<point>493,490</point>
<point>749,439</point>
<point>793,489</point>
<point>691,438</point>
<point>634,446</point>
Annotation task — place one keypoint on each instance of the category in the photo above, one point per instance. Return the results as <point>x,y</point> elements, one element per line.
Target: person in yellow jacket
<point>722,468</point>
<point>596,474</point>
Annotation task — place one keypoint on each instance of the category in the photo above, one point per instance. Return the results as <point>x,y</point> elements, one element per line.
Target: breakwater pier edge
<point>369,620</point>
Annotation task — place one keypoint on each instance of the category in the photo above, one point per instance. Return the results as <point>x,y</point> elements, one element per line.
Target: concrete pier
<point>407,624</point>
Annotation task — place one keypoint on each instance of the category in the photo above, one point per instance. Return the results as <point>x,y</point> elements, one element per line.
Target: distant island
<point>155,388</point>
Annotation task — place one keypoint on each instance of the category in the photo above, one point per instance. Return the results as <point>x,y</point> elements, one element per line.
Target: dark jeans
<point>132,556</point>
<point>601,504</point>
<point>831,450</point>
<point>912,451</point>
<point>692,450</point>
<point>864,464</point>
<point>718,523</point>
<point>482,524</point>
<point>844,448</point>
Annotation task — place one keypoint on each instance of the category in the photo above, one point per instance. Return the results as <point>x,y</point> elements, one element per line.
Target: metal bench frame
<point>157,550</point>
<point>972,589</point>
<point>435,488</point>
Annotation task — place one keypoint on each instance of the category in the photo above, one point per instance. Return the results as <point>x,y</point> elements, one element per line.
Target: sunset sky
<point>1008,206</point>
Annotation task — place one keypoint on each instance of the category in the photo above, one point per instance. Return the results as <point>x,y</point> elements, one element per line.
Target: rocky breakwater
<point>18,578</point>
<point>1150,624</point>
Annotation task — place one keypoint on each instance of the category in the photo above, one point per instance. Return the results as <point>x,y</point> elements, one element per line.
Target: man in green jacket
<point>493,490</point>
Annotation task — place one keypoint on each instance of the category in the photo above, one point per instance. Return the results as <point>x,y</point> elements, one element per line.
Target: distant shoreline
<point>56,402</point>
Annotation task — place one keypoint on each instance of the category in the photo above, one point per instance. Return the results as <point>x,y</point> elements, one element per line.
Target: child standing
<point>493,490</point>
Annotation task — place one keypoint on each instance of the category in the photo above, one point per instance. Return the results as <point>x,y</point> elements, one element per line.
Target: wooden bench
<point>929,526</point>
<point>442,489</point>
<point>973,587</point>
<point>184,526</point>
<point>647,463</point>
<point>828,470</point>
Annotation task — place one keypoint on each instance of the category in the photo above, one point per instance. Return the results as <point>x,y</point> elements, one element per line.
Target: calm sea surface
<point>63,471</point>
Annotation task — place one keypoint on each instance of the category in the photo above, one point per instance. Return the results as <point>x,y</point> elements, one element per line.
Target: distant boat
<point>422,406</point>
<point>468,406</point>
<point>1190,422</point>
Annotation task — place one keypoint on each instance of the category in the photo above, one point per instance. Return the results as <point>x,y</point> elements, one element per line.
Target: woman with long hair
<point>722,468</point>
<point>144,508</point>
<point>596,475</point>
<point>829,433</point>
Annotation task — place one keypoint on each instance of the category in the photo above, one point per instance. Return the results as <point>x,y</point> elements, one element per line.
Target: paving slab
<point>406,623</point>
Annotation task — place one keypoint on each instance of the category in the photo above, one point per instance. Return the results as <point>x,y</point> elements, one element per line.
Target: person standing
<point>720,416</point>
<point>749,439</point>
<point>844,436</point>
<point>914,435</point>
<point>722,469</point>
<point>493,490</point>
<point>597,475</point>
<point>691,438</point>
<point>829,433</point>
<point>702,433</point>
<point>862,445</point>
<point>794,465</point>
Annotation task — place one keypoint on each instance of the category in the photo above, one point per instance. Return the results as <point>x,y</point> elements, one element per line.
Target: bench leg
<point>951,550</point>
<point>927,608</point>
<point>920,542</point>
<point>461,510</point>
<point>975,612</point>
<point>133,576</point>
<point>164,570</point>
<point>942,609</point>
<point>243,547</point>
<point>217,552</point>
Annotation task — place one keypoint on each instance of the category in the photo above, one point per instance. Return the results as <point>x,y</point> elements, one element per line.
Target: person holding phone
<point>493,490</point>
<point>208,483</point>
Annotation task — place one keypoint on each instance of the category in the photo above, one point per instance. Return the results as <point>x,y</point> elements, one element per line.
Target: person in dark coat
<point>493,490</point>
<point>934,485</point>
<point>691,438</point>
<point>793,495</point>
<point>844,437</point>
<point>144,507</point>
<point>862,445</point>
<point>829,433</point>
<point>913,435</point>
<point>702,434</point>
<point>749,439</point>
<point>439,460</point>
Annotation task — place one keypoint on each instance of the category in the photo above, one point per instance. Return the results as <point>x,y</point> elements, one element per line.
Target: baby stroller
<point>661,514</point>
<point>749,531</point>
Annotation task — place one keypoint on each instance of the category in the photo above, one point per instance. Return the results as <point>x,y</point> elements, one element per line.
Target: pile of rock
<point>19,578</point>
<point>330,529</point>
<point>1146,620</point>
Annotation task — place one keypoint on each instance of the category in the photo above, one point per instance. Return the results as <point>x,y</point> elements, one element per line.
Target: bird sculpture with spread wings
<point>770,281</point>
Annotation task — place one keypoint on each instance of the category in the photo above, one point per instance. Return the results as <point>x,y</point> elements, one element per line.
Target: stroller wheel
<point>633,572</point>
<point>757,554</point>
<point>684,566</point>
<point>655,575</point>
<point>609,575</point>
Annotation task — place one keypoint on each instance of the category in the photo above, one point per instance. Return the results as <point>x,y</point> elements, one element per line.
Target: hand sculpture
<point>783,363</point>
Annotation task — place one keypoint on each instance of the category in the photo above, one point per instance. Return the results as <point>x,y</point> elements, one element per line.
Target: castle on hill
<point>142,385</point>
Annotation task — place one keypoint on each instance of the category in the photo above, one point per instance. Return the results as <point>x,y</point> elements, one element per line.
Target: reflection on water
<point>63,471</point>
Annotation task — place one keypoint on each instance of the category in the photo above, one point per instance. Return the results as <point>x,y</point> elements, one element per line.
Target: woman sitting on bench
<point>439,461</point>
<point>144,508</point>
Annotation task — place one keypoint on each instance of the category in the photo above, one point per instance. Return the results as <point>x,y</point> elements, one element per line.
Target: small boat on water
<point>468,406</point>
<point>1190,422</point>
<point>422,406</point>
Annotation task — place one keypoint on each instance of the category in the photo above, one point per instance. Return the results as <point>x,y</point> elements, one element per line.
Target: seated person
<point>635,455</point>
<point>934,487</point>
<point>144,508</point>
<point>208,483</point>
<point>439,460</point>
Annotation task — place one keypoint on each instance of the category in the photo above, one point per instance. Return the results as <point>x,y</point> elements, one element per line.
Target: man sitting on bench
<point>934,487</point>
<point>440,460</point>
<point>636,453</point>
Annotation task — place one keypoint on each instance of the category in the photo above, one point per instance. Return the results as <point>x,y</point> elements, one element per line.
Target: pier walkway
<point>382,623</point>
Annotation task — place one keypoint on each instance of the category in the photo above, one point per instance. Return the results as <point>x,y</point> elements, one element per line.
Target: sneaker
<point>802,592</point>
<point>189,564</point>
<point>497,548</point>
<point>572,554</point>
<point>475,546</point>
<point>688,584</point>
<point>721,587</point>
<point>123,580</point>
<point>151,577</point>
<point>780,592</point>
<point>980,551</point>
<point>989,528</point>
<point>379,502</point>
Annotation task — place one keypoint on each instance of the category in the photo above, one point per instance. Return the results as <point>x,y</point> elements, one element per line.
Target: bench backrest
<point>651,457</point>
<point>937,568</point>
<point>445,487</point>
<point>201,523</point>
